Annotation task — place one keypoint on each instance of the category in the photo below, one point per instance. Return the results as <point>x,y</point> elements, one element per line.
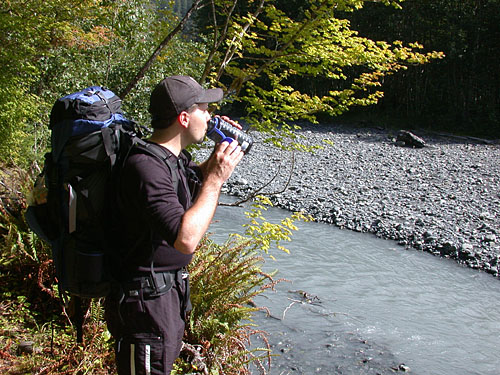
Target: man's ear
<point>183,118</point>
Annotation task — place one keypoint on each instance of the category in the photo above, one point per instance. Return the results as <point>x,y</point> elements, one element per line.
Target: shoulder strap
<point>157,151</point>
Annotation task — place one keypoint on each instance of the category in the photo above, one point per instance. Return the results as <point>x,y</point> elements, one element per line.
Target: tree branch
<point>140,74</point>
<point>258,190</point>
<point>232,50</point>
<point>239,81</point>
<point>217,39</point>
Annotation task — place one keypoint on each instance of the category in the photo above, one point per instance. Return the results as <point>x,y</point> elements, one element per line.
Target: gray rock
<point>25,347</point>
<point>431,199</point>
<point>408,139</point>
<point>490,238</point>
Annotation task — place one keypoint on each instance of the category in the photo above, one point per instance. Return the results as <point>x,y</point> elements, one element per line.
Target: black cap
<point>176,94</point>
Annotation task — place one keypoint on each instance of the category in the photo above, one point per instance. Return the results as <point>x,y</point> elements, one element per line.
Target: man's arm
<point>196,220</point>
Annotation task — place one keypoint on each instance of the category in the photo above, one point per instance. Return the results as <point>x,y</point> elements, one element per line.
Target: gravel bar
<point>442,198</point>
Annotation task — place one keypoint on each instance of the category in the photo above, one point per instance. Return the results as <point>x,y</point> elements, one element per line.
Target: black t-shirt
<point>151,212</point>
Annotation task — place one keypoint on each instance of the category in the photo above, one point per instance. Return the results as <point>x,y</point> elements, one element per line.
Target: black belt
<point>154,284</point>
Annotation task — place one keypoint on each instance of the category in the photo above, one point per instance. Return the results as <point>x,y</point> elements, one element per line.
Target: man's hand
<point>208,167</point>
<point>222,162</point>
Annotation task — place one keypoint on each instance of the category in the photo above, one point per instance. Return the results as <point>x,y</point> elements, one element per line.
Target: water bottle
<point>220,131</point>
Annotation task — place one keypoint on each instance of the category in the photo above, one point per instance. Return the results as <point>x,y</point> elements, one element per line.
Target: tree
<point>30,35</point>
<point>53,47</point>
<point>262,52</point>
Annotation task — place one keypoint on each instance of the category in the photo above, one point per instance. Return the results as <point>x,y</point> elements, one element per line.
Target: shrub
<point>224,280</point>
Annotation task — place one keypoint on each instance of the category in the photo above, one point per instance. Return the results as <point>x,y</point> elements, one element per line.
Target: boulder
<point>408,139</point>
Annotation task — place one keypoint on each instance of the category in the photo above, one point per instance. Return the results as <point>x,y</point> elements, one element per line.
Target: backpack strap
<point>157,151</point>
<point>107,140</point>
<point>104,99</point>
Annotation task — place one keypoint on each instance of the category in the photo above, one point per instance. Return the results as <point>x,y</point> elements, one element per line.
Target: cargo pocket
<point>141,354</point>
<point>133,313</point>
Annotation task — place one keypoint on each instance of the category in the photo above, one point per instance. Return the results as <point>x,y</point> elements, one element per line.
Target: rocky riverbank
<point>443,198</point>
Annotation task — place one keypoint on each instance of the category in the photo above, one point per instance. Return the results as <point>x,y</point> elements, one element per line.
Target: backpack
<point>73,201</point>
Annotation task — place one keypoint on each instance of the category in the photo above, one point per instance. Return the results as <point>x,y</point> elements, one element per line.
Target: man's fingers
<point>232,122</point>
<point>231,147</point>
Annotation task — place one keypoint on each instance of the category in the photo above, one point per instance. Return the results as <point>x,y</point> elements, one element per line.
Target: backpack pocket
<point>40,212</point>
<point>85,270</point>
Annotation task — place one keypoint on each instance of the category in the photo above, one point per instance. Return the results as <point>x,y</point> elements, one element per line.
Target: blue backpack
<point>90,139</point>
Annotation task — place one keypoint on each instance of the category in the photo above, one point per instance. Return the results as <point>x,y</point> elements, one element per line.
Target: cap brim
<point>210,96</point>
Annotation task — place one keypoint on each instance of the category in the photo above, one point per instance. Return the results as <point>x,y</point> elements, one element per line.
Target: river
<point>374,307</point>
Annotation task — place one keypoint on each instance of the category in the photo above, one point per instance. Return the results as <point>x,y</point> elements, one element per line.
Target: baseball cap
<point>176,94</point>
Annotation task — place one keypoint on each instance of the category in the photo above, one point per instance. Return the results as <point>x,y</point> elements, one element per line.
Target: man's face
<point>198,119</point>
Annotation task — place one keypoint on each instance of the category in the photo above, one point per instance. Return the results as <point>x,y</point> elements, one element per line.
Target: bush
<point>224,279</point>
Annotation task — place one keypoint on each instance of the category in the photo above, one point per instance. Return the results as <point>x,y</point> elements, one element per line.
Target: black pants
<point>148,330</point>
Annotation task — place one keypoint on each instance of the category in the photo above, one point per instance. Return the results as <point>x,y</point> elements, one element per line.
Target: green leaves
<point>224,280</point>
<point>30,35</point>
<point>263,234</point>
<point>54,47</point>
<point>278,54</point>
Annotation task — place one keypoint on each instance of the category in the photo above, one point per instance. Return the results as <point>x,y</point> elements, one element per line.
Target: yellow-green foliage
<point>51,48</point>
<point>30,34</point>
<point>224,280</point>
<point>264,53</point>
<point>264,234</point>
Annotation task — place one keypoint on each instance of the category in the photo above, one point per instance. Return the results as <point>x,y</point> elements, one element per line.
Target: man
<point>166,207</point>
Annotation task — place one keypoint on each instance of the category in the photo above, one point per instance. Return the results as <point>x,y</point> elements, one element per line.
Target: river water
<point>372,307</point>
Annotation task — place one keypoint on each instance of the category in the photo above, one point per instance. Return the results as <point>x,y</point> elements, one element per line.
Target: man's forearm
<point>216,170</point>
<point>197,218</point>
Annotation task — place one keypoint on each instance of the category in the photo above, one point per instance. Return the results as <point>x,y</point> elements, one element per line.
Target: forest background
<point>55,47</point>
<point>414,64</point>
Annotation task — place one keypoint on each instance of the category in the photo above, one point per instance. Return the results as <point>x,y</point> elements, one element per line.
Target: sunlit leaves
<point>264,234</point>
<point>224,280</point>
<point>30,33</point>
<point>53,47</point>
<point>275,50</point>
